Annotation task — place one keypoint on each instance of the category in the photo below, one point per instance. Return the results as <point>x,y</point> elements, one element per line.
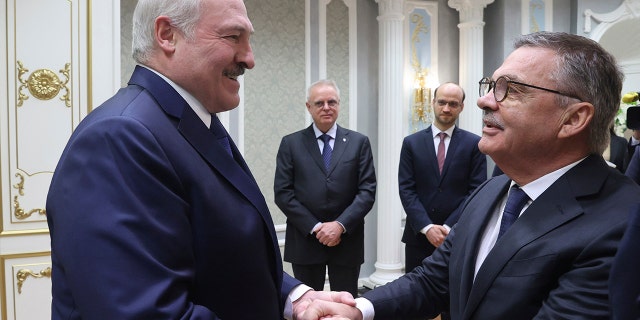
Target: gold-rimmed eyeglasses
<point>502,85</point>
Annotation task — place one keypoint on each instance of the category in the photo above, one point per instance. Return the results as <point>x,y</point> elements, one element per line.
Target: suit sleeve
<point>625,291</point>
<point>583,289</point>
<point>477,175</point>
<point>284,191</point>
<point>633,170</point>
<point>422,293</point>
<point>120,227</point>
<point>365,197</point>
<point>417,215</point>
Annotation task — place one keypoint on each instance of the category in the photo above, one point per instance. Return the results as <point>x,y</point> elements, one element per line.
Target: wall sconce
<point>421,113</point>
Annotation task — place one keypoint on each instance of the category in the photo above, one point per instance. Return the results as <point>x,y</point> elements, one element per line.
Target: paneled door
<point>58,60</point>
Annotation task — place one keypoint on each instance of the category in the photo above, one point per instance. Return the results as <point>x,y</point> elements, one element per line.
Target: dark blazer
<point>553,263</point>
<point>633,169</point>
<point>618,152</point>
<point>307,194</point>
<point>428,196</point>
<point>625,278</point>
<point>150,219</point>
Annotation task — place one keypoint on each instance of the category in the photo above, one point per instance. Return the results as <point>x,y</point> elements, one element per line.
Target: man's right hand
<point>436,235</point>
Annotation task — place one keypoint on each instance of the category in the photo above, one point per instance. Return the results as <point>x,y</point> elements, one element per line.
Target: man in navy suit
<point>431,195</point>
<point>625,278</point>
<point>537,242</point>
<point>325,202</point>
<point>151,214</point>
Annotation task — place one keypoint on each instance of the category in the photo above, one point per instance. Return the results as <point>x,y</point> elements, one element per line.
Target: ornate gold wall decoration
<point>20,213</point>
<point>44,84</point>
<point>421,111</point>
<point>23,274</point>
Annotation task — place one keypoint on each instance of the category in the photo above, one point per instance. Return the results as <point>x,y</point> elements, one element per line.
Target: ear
<point>576,119</point>
<point>165,34</point>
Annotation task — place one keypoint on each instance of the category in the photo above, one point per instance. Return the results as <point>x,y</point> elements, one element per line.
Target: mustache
<point>235,72</point>
<point>489,119</point>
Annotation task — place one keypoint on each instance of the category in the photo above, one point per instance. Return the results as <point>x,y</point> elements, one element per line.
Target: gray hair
<point>323,82</point>
<point>585,70</point>
<point>184,15</point>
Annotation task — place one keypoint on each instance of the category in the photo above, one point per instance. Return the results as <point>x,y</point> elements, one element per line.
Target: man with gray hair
<point>537,242</point>
<point>152,209</point>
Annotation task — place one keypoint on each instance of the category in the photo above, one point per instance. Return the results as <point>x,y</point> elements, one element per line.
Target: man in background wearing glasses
<point>439,167</point>
<point>325,184</point>
<point>547,111</point>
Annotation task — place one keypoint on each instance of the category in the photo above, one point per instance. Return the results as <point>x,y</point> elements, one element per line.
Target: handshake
<point>314,305</point>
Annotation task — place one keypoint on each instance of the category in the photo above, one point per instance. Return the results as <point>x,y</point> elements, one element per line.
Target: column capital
<point>390,6</point>
<point>470,10</point>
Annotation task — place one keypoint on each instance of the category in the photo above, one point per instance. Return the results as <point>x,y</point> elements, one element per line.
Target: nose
<point>487,101</point>
<point>246,58</point>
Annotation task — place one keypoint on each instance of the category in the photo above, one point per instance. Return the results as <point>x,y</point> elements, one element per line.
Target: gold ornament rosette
<point>44,84</point>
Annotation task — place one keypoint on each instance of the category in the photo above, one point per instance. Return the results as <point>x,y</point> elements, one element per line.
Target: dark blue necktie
<point>326,150</point>
<point>515,202</point>
<point>221,133</point>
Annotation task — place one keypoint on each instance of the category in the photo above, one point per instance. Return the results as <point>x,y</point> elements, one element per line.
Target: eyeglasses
<point>320,104</point>
<point>502,85</point>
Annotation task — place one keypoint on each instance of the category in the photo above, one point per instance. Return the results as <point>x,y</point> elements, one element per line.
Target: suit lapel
<point>198,135</point>
<point>430,150</point>
<point>339,146</point>
<point>468,239</point>
<point>556,206</point>
<point>311,143</point>
<point>451,151</point>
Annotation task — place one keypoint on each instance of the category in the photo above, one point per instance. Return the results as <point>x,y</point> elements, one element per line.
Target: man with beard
<point>439,167</point>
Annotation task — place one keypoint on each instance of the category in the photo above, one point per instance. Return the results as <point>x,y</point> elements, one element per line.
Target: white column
<point>471,58</point>
<point>388,264</point>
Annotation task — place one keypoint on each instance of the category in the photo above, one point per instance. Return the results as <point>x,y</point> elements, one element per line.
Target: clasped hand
<point>329,233</point>
<point>315,305</point>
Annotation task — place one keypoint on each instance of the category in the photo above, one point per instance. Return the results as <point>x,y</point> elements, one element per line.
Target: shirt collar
<point>536,187</point>
<point>436,131</point>
<point>331,132</point>
<point>197,107</point>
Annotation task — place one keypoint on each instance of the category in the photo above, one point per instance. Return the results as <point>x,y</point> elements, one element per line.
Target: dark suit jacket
<point>428,196</point>
<point>307,194</point>
<point>633,169</point>
<point>150,219</point>
<point>553,263</point>
<point>618,152</point>
<point>625,278</point>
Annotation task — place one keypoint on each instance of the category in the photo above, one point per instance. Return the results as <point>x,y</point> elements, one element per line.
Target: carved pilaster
<point>388,264</point>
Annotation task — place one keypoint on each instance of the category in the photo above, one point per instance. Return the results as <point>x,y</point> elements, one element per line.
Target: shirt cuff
<point>425,229</point>
<point>294,295</point>
<point>315,227</point>
<point>366,307</point>
<point>344,230</point>
<point>447,227</point>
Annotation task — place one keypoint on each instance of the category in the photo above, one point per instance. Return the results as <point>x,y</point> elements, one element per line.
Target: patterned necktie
<point>221,133</point>
<point>515,202</point>
<point>326,150</point>
<point>441,150</point>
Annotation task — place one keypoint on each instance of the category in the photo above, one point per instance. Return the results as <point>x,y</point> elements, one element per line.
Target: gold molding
<point>20,213</point>
<point>44,84</point>
<point>24,274</point>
